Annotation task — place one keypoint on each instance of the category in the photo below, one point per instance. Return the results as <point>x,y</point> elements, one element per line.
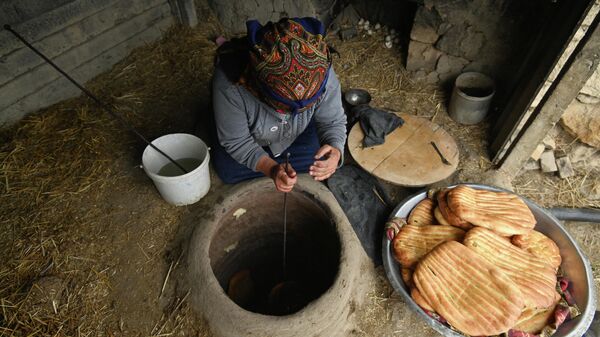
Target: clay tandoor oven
<point>243,241</point>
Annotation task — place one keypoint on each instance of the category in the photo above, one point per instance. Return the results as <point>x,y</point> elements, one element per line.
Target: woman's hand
<point>323,169</point>
<point>284,181</point>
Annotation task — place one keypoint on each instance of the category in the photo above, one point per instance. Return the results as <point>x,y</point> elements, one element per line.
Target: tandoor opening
<point>246,253</point>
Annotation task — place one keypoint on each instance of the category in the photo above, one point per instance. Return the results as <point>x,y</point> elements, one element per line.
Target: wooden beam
<point>185,11</point>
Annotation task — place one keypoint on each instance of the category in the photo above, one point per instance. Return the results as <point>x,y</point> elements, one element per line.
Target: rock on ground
<point>565,169</point>
<point>537,153</point>
<point>583,122</point>
<point>592,86</point>
<point>587,99</point>
<point>531,164</point>
<point>549,143</point>
<point>548,162</point>
<point>582,154</point>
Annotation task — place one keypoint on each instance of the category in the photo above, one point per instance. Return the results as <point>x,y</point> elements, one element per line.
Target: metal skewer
<point>287,162</point>
<point>88,93</point>
<point>435,147</point>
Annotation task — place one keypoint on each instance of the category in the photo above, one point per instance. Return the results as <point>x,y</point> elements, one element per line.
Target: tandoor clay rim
<point>327,315</point>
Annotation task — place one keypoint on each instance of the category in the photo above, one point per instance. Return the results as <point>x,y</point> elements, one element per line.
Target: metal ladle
<point>357,97</point>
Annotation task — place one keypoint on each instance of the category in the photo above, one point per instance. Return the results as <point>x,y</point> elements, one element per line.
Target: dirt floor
<point>88,247</point>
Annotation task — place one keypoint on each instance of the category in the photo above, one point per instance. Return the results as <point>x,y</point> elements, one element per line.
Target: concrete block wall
<point>84,37</point>
<point>233,14</point>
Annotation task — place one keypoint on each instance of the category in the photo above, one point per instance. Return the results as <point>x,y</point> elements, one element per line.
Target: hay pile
<point>61,167</point>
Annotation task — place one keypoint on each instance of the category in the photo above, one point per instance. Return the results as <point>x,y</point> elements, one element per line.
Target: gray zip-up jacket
<point>245,124</point>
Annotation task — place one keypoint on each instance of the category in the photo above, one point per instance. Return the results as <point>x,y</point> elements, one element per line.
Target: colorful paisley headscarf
<point>289,62</point>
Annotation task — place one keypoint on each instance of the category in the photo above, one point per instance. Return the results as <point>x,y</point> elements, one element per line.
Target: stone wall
<point>233,14</point>
<point>449,37</point>
<point>84,37</point>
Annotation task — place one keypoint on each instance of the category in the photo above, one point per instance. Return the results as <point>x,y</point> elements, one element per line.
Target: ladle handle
<point>287,163</point>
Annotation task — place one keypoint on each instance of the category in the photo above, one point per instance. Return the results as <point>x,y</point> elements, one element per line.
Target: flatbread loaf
<point>413,242</point>
<point>448,214</point>
<point>470,293</point>
<point>534,320</point>
<point>502,212</point>
<point>422,214</point>
<point>407,277</point>
<point>535,277</point>
<point>419,299</point>
<point>440,218</point>
<point>539,245</point>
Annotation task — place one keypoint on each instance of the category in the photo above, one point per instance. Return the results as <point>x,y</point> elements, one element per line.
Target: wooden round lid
<point>408,156</point>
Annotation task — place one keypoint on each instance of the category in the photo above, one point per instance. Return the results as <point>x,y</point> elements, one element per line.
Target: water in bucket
<point>173,185</point>
<point>171,170</point>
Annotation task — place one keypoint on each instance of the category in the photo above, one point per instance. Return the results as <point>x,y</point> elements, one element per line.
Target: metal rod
<point>103,105</point>
<point>435,147</point>
<point>287,162</point>
<point>576,214</point>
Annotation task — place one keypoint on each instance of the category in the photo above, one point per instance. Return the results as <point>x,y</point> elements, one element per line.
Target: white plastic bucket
<point>184,189</point>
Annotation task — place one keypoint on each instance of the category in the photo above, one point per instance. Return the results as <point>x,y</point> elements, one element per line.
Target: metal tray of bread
<point>575,266</point>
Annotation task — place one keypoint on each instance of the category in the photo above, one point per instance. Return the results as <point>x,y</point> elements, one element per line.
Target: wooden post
<point>185,11</point>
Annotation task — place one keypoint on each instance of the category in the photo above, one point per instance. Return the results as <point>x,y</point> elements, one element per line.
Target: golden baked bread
<point>539,245</point>
<point>448,214</point>
<point>502,212</point>
<point>535,277</point>
<point>407,277</point>
<point>440,218</point>
<point>422,214</point>
<point>419,299</point>
<point>534,320</point>
<point>413,242</point>
<point>474,296</point>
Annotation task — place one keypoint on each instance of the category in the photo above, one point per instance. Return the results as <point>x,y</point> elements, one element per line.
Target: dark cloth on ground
<point>353,189</point>
<point>302,152</point>
<point>376,124</point>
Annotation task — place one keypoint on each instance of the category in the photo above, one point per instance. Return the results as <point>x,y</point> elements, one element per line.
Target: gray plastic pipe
<point>576,214</point>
